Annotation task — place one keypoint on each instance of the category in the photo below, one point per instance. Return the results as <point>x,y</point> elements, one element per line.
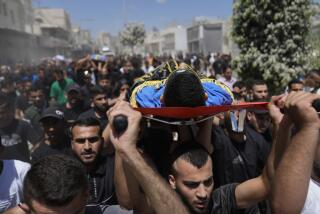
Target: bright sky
<point>110,15</point>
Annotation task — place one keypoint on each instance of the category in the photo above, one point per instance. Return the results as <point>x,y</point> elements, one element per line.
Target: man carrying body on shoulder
<point>56,140</point>
<point>191,177</point>
<point>296,186</point>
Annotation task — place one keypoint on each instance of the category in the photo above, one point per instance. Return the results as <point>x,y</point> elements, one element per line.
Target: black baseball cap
<point>74,87</point>
<point>52,112</point>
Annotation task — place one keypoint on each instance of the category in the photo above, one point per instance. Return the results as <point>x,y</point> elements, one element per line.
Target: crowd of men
<point>60,151</point>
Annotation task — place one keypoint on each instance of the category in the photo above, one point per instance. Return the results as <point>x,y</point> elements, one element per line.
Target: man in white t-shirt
<point>296,187</point>
<point>312,204</point>
<point>227,77</point>
<point>12,173</point>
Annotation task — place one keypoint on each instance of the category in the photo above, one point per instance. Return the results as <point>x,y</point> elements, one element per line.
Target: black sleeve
<point>32,136</point>
<point>224,200</point>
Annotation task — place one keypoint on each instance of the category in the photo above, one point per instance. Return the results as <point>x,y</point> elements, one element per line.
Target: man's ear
<point>205,96</point>
<point>161,99</point>
<point>172,181</point>
<point>249,115</point>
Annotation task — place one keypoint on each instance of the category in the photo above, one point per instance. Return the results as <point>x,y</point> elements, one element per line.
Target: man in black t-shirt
<point>190,176</point>
<point>87,145</point>
<point>56,140</point>
<point>15,134</point>
<point>100,106</point>
<point>76,103</point>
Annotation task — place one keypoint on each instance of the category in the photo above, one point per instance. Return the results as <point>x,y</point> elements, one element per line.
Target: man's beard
<point>189,206</point>
<point>101,110</point>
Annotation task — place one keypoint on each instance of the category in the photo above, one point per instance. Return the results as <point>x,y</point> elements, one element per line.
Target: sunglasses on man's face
<point>90,139</point>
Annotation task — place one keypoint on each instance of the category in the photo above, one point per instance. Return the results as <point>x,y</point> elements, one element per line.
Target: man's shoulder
<point>30,112</point>
<point>17,167</point>
<point>224,199</point>
<point>86,114</point>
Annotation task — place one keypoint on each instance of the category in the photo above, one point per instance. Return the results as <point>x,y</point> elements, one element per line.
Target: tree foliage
<point>133,34</point>
<point>271,35</point>
<point>314,38</point>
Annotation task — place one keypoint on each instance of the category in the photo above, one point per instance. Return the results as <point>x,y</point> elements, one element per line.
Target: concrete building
<point>53,26</point>
<point>82,42</point>
<point>174,40</point>
<point>205,36</point>
<point>16,15</point>
<point>16,42</point>
<point>171,41</point>
<point>153,43</point>
<point>104,39</point>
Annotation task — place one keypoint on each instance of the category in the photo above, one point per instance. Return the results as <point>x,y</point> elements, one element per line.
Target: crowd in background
<point>60,107</point>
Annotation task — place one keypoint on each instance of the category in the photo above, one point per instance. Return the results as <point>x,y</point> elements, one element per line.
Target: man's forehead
<point>260,86</point>
<point>186,170</point>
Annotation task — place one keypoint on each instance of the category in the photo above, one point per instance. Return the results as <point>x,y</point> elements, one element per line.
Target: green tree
<point>314,37</point>
<point>271,35</point>
<point>133,34</point>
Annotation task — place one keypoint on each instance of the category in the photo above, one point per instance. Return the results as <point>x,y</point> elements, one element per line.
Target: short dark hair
<point>103,76</point>
<point>36,87</point>
<point>190,152</point>
<point>224,66</point>
<point>87,121</point>
<point>258,82</point>
<point>6,101</point>
<point>55,180</point>
<point>183,89</point>
<point>58,71</point>
<point>95,90</point>
<point>294,81</point>
<point>239,84</point>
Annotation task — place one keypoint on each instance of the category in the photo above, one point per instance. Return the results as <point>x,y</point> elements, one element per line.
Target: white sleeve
<point>22,169</point>
<point>312,203</point>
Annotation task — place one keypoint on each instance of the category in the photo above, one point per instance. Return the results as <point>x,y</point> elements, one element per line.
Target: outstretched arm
<point>162,197</point>
<point>290,186</point>
<point>254,190</point>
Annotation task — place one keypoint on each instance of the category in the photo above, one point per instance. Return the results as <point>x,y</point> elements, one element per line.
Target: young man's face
<point>100,101</point>
<point>228,73</point>
<point>105,84</point>
<point>58,77</point>
<point>86,143</point>
<point>6,115</point>
<point>260,122</point>
<point>193,185</point>
<point>296,87</point>
<point>53,127</point>
<point>76,206</point>
<point>37,98</point>
<point>74,97</point>
<point>260,91</point>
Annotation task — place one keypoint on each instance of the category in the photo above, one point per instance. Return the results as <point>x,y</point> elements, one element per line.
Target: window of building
<point>4,7</point>
<point>12,17</point>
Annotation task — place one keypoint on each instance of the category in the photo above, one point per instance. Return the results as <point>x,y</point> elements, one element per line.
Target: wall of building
<point>12,15</point>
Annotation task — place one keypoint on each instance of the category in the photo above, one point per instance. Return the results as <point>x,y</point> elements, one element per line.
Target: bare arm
<point>255,190</point>
<point>128,190</point>
<point>157,190</point>
<point>290,186</point>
